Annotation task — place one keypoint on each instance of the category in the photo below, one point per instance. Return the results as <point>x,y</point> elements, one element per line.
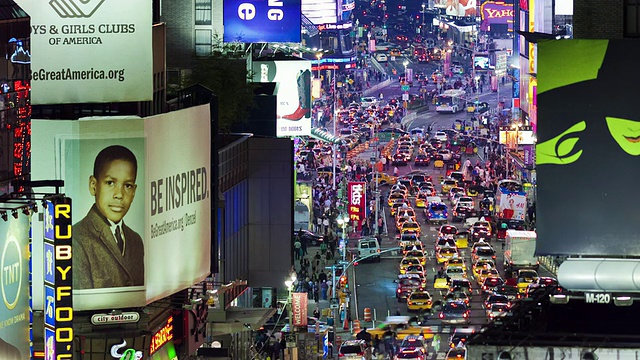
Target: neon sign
<point>127,354</point>
<point>162,336</point>
<point>58,280</point>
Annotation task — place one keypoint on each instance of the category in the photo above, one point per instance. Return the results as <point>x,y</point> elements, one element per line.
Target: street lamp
<point>319,57</point>
<point>343,221</point>
<point>423,6</point>
<point>289,285</point>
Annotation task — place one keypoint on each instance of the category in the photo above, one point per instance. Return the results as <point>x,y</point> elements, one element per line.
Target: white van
<point>367,101</point>
<point>369,247</point>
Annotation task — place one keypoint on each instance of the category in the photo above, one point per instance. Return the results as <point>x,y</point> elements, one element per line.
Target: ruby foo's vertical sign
<point>58,332</point>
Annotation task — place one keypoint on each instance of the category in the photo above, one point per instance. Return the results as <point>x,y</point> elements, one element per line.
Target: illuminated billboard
<point>496,12</point>
<point>293,91</point>
<point>14,283</point>
<point>481,62</point>
<point>320,12</point>
<point>457,7</point>
<point>111,38</point>
<point>512,136</point>
<point>141,228</point>
<point>251,21</point>
<point>588,143</point>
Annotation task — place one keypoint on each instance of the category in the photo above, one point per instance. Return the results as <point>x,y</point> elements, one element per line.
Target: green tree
<point>225,72</point>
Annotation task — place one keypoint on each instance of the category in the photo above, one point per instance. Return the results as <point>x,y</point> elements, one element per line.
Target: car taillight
<point>409,302</point>
<point>340,355</point>
<point>465,315</point>
<point>399,290</point>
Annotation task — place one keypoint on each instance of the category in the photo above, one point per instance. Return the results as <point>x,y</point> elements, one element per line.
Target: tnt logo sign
<point>11,276</point>
<point>247,11</point>
<point>75,8</point>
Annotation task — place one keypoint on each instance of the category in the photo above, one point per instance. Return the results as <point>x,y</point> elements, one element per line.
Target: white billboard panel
<point>116,171</point>
<point>293,91</point>
<point>90,50</point>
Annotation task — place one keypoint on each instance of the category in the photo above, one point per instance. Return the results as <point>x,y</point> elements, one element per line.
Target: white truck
<point>519,251</point>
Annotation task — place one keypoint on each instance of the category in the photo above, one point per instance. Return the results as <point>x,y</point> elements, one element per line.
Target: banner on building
<point>142,229</point>
<point>299,302</point>
<point>90,51</point>
<point>293,91</point>
<point>588,143</point>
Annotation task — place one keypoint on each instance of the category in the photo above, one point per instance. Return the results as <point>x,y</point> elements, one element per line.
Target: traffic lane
<point>375,288</point>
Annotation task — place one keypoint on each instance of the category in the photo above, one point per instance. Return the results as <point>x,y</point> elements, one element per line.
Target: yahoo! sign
<point>252,21</point>
<point>496,12</point>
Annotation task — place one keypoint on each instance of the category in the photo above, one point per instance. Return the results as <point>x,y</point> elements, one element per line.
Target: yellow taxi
<point>417,254</point>
<point>447,184</point>
<point>441,283</point>
<point>419,300</point>
<point>402,203</point>
<point>418,270</point>
<point>395,196</point>
<point>406,262</point>
<point>462,240</point>
<point>400,221</point>
<point>485,273</point>
<point>407,246</point>
<point>480,265</point>
<point>445,254</point>
<point>410,226</point>
<point>526,277</point>
<point>456,262</point>
<point>384,178</point>
<point>403,326</point>
<point>406,212</point>
<point>395,52</point>
<point>421,200</point>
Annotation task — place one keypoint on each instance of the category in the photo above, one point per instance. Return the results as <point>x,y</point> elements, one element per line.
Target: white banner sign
<point>90,50</point>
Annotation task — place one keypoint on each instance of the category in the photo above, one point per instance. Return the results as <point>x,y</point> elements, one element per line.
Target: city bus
<point>451,101</point>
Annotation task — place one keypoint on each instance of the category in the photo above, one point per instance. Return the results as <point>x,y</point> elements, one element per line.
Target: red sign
<point>162,336</point>
<point>357,202</point>
<point>299,309</point>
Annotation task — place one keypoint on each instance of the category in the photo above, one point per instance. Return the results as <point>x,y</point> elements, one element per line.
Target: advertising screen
<point>496,12</point>
<point>320,11</point>
<point>457,7</point>
<point>14,282</point>
<point>357,201</point>
<point>481,62</point>
<point>141,228</point>
<point>588,149</point>
<point>251,21</point>
<point>113,39</point>
<point>293,89</point>
<point>509,136</point>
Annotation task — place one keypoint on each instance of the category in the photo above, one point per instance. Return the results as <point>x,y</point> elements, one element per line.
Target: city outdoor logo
<point>75,8</point>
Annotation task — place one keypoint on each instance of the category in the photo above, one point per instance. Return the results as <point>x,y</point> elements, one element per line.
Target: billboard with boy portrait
<point>132,212</point>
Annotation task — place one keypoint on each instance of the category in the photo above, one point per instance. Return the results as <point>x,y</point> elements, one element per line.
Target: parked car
<point>308,236</point>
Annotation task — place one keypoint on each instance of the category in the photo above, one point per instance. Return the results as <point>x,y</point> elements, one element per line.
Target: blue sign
<point>252,21</point>
<point>49,270</point>
<point>325,345</point>
<point>49,344</point>
<point>49,306</point>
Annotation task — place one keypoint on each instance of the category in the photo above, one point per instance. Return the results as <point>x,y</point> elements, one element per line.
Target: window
<point>203,42</point>
<point>203,12</point>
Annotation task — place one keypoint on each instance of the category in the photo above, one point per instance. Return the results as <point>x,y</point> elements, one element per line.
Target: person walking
<point>297,248</point>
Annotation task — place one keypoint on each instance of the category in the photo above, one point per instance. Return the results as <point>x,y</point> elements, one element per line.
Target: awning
<point>325,136</point>
<point>235,320</point>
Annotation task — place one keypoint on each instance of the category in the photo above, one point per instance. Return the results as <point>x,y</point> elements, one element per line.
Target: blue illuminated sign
<point>49,306</point>
<point>251,21</point>
<point>49,271</point>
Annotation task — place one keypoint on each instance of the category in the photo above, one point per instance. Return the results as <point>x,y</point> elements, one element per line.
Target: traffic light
<point>343,280</point>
